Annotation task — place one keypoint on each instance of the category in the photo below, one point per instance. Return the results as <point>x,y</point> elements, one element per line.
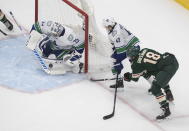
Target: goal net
<point>74,13</point>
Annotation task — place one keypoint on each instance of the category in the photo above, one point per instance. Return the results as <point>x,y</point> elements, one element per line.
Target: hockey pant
<point>168,68</point>
<point>117,65</point>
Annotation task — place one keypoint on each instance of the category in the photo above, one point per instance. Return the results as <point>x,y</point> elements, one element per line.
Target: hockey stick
<point>40,59</point>
<point>3,32</point>
<point>115,96</point>
<point>105,79</point>
<point>16,21</point>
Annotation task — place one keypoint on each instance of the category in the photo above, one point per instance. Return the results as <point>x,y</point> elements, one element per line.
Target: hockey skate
<point>166,112</point>
<point>81,68</point>
<point>150,91</point>
<point>169,95</point>
<point>119,84</point>
<point>7,23</point>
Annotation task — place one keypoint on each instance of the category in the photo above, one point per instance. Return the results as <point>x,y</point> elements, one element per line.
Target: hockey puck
<point>50,65</point>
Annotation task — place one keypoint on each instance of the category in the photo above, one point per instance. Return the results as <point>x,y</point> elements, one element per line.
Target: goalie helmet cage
<point>74,13</point>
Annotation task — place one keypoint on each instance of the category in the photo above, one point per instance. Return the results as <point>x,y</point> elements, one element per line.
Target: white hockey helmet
<point>109,22</point>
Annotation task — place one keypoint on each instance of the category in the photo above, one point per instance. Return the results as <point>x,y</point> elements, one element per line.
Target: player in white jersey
<point>122,40</point>
<point>58,43</point>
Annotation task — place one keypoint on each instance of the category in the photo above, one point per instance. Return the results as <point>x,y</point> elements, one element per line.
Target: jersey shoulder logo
<point>70,37</point>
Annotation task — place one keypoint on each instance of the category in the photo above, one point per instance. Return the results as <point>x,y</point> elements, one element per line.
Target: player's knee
<point>118,67</point>
<point>156,88</point>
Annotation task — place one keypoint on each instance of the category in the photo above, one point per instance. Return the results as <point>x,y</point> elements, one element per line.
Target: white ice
<point>80,106</point>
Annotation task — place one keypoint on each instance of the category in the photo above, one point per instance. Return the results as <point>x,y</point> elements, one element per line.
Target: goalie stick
<point>115,96</point>
<point>42,62</point>
<point>5,34</point>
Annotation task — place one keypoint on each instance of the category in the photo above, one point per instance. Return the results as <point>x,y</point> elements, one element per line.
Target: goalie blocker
<point>57,61</point>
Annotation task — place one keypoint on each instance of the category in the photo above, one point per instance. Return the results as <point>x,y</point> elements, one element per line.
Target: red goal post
<point>75,13</point>
<point>83,13</point>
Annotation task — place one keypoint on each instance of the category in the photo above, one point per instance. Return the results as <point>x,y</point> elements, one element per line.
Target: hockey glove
<point>75,56</point>
<point>127,76</point>
<point>72,59</point>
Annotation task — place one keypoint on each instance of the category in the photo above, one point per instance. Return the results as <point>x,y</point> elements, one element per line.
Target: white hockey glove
<point>72,59</point>
<point>66,59</point>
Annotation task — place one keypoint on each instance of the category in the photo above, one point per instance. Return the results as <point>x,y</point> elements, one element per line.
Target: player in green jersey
<point>148,62</point>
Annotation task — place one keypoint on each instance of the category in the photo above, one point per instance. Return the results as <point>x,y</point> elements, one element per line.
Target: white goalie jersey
<point>64,36</point>
<point>59,46</point>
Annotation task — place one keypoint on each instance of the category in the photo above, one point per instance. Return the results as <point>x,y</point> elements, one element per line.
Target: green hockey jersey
<point>147,63</point>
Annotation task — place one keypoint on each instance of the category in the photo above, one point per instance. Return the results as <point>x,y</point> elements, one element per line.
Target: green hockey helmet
<point>133,51</point>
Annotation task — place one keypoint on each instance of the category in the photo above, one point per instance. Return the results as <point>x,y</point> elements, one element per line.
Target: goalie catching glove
<point>128,76</point>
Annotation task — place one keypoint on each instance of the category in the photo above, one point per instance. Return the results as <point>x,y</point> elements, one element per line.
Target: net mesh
<point>99,48</point>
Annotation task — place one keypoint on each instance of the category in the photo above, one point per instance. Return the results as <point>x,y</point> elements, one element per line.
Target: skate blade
<point>171,103</point>
<point>165,119</point>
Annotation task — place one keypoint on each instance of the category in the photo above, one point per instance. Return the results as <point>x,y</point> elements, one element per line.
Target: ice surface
<point>20,69</point>
<point>80,106</point>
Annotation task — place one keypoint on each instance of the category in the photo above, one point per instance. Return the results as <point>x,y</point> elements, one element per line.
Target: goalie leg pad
<point>75,64</point>
<point>70,60</point>
<point>72,63</point>
<point>34,39</point>
<point>79,68</point>
<point>56,67</point>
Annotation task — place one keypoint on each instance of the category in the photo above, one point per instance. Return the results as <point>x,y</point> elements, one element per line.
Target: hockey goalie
<point>59,48</point>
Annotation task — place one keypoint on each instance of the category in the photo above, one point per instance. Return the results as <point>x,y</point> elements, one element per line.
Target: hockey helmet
<point>133,51</point>
<point>109,22</point>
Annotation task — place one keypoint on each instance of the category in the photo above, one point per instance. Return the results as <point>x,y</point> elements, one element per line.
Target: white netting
<point>58,11</point>
<point>99,48</point>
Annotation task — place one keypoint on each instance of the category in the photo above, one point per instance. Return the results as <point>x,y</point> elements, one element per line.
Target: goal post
<point>74,13</point>
<point>86,31</point>
<point>86,26</point>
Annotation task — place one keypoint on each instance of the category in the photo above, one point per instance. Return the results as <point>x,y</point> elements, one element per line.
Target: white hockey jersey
<point>64,36</point>
<point>122,39</point>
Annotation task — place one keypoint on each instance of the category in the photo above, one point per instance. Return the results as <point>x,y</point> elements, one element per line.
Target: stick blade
<point>108,116</point>
<point>92,79</point>
<point>104,79</point>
